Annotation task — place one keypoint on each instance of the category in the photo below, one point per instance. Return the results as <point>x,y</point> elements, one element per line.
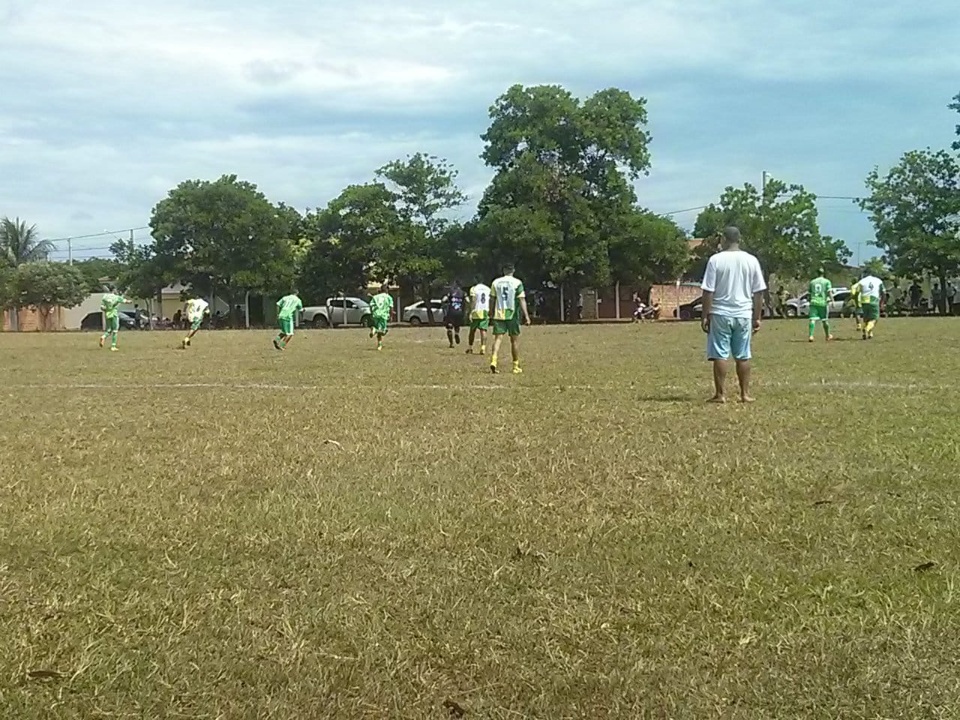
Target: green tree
<point>349,240</point>
<point>142,273</point>
<point>781,227</point>
<point>224,238</point>
<point>915,208</point>
<point>426,193</point>
<point>955,105</point>
<point>648,248</point>
<point>562,187</point>
<point>878,268</point>
<point>20,243</point>
<point>97,271</point>
<point>45,285</point>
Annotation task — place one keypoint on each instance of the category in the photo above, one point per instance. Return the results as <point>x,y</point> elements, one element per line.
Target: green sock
<point>813,327</point>
<point>826,328</point>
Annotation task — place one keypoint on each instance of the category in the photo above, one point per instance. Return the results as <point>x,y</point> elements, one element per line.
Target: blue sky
<point>107,104</point>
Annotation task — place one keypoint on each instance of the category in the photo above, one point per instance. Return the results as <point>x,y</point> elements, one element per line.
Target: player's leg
<point>114,331</point>
<point>279,340</point>
<point>812,323</point>
<point>381,328</point>
<point>826,323</point>
<point>870,317</point>
<point>499,330</point>
<point>457,324</point>
<point>515,344</point>
<point>741,335</point>
<point>718,353</point>
<point>483,336</point>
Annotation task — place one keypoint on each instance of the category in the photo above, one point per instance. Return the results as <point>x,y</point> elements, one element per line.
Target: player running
<point>381,305</point>
<point>869,291</point>
<point>479,316</point>
<point>453,307</point>
<point>287,308</point>
<point>507,294</point>
<point>197,309</point>
<point>820,294</point>
<point>110,307</point>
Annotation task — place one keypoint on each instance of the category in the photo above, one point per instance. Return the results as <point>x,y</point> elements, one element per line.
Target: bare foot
<point>717,400</point>
<point>746,399</point>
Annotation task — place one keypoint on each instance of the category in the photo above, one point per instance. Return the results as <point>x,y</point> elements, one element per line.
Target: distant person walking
<point>820,293</point>
<point>733,288</point>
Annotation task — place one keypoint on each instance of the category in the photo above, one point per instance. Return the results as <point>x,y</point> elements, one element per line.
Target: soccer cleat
<point>829,338</point>
<point>469,351</point>
<point>276,344</point>
<point>113,349</point>
<point>483,351</point>
<point>457,339</point>
<point>810,339</point>
<point>517,370</point>
<point>379,348</point>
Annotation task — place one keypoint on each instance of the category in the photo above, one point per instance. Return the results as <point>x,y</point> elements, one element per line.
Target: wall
<point>31,320</point>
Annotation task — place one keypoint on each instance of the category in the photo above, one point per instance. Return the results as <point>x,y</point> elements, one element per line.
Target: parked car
<point>417,313</point>
<point>690,311</point>
<point>337,311</point>
<point>800,306</point>
<point>94,321</point>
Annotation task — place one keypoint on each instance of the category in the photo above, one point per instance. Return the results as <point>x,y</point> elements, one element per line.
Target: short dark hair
<point>385,288</point>
<point>731,235</point>
<point>508,268</point>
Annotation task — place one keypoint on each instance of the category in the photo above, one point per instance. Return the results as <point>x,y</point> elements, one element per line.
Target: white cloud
<point>108,104</point>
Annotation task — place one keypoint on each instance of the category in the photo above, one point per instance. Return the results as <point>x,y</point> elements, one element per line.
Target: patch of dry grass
<point>231,532</point>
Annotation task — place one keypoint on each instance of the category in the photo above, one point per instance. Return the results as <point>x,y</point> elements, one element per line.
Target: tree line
<point>561,206</point>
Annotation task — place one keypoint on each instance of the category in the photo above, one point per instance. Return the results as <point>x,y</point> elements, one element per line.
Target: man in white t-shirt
<point>733,289</point>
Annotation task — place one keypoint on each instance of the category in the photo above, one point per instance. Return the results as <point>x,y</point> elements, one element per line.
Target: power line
<point>105,233</point>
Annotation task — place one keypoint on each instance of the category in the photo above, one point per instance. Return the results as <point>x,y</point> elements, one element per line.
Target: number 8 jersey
<point>479,302</point>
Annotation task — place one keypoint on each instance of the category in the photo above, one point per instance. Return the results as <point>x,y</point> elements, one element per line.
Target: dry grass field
<point>331,532</point>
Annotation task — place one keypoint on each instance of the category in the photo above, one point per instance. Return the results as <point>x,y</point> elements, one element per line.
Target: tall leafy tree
<point>425,194</point>
<point>915,208</point>
<point>98,271</point>
<point>780,226</point>
<point>955,105</point>
<point>223,237</point>
<point>351,241</point>
<point>45,286</point>
<point>563,171</point>
<point>20,243</point>
<point>142,273</point>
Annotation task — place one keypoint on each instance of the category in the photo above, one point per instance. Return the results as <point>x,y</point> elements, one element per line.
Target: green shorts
<point>819,312</point>
<point>112,324</point>
<point>195,324</point>
<point>870,311</point>
<point>480,323</point>
<point>379,324</point>
<point>509,327</point>
<point>286,325</point>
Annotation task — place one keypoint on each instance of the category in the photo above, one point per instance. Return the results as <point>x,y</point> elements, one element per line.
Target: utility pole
<point>70,251</point>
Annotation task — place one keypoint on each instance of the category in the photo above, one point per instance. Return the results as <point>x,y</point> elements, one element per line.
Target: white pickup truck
<point>336,312</point>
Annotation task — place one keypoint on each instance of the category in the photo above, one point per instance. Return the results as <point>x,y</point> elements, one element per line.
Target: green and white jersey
<point>110,304</point>
<point>288,306</point>
<point>871,290</point>
<point>381,305</point>
<point>820,291</point>
<point>479,302</point>
<point>196,308</point>
<point>507,292</point>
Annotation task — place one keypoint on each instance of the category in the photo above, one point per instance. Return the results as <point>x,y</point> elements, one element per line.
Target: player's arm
<point>708,286</point>
<point>759,288</point>
<point>523,307</point>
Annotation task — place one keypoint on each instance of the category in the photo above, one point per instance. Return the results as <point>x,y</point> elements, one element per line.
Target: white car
<point>417,314</point>
<point>800,306</point>
<point>337,311</point>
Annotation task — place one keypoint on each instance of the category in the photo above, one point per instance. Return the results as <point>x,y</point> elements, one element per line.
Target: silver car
<point>336,312</point>
<point>417,314</point>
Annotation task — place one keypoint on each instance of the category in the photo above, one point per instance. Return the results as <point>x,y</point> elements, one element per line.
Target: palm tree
<point>20,244</point>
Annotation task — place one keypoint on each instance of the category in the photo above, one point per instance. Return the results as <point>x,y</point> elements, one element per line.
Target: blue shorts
<point>729,336</point>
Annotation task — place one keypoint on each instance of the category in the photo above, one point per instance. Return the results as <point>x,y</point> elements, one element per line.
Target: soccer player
<point>507,294</point>
<point>381,306</point>
<point>479,316</point>
<point>197,309</point>
<point>287,308</point>
<point>820,294</point>
<point>869,290</point>
<point>110,307</point>
<point>453,305</point>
